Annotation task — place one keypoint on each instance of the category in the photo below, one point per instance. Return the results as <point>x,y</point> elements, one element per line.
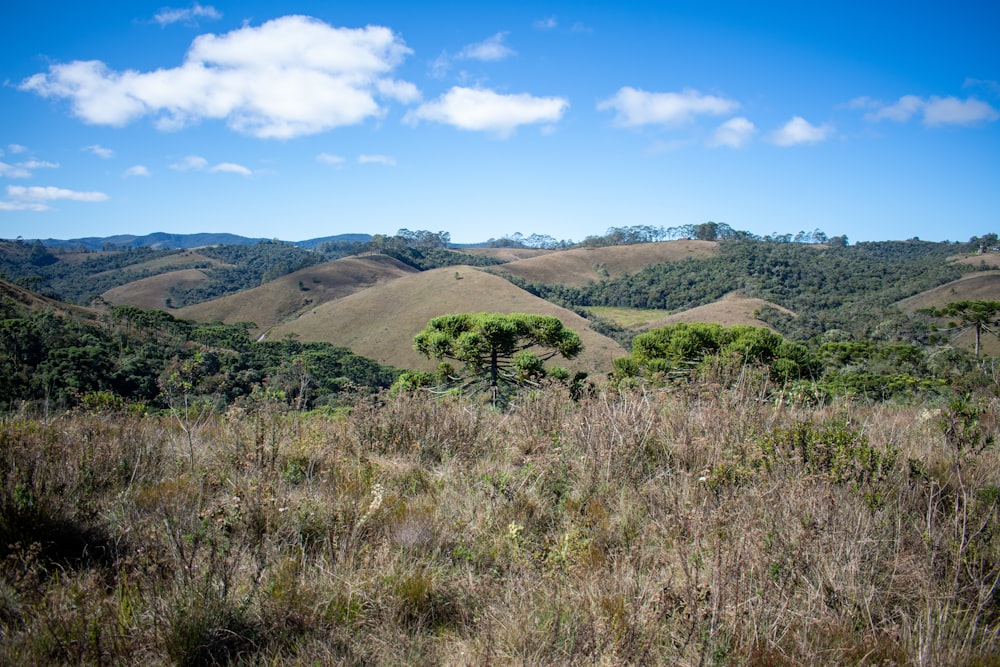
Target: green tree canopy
<point>499,350</point>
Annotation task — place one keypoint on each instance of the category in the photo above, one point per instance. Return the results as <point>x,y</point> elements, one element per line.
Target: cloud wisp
<point>289,77</point>
<point>100,151</point>
<point>933,111</point>
<point>25,168</point>
<point>36,198</point>
<point>484,110</point>
<point>634,107</point>
<point>734,133</point>
<point>799,131</point>
<point>377,159</point>
<point>491,48</point>
<point>136,170</point>
<point>187,15</point>
<point>198,163</point>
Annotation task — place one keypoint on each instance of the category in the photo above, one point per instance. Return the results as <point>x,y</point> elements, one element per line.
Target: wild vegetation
<point>823,492</point>
<point>708,523</point>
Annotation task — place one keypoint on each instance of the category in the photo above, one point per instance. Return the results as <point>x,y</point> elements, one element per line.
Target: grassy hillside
<point>580,265</point>
<point>728,311</point>
<point>981,286</point>
<point>14,299</point>
<point>507,254</point>
<point>282,298</point>
<point>380,322</point>
<point>153,292</point>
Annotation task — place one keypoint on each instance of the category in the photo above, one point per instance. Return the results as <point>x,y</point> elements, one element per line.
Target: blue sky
<point>297,120</point>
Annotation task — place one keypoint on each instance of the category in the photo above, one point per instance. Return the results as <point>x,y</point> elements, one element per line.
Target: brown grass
<point>580,265</point>
<point>153,292</point>
<point>35,301</point>
<point>728,311</point>
<point>380,322</point>
<point>282,299</point>
<point>703,525</point>
<point>507,254</point>
<point>178,260</point>
<point>984,286</point>
<point>990,259</point>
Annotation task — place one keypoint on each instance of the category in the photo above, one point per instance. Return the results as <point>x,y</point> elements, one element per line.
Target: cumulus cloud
<point>377,159</point>
<point>491,48</point>
<point>328,158</point>
<point>100,151</point>
<point>135,170</point>
<point>198,163</point>
<point>289,77</point>
<point>933,110</point>
<point>734,133</point>
<point>799,131</point>
<point>484,110</point>
<point>188,15</point>
<point>35,198</point>
<point>634,107</point>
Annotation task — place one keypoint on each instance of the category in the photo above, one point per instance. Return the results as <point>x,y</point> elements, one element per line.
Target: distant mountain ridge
<point>162,240</point>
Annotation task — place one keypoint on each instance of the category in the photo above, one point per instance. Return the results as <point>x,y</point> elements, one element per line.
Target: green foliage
<point>979,316</point>
<point>498,350</point>
<point>678,349</point>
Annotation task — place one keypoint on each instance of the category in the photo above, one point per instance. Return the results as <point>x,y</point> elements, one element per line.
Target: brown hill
<point>990,259</point>
<point>380,322</point>
<point>980,286</point>
<point>730,310</point>
<point>25,298</point>
<point>153,292</point>
<point>580,265</point>
<point>178,261</point>
<point>507,254</point>
<point>283,298</point>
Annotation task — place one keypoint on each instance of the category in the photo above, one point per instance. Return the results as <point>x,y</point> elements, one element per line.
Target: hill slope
<point>728,311</point>
<point>282,298</point>
<point>580,265</point>
<point>153,292</point>
<point>380,322</point>
<point>983,286</point>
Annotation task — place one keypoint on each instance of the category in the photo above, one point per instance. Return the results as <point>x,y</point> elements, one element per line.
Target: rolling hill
<point>730,310</point>
<point>580,265</point>
<point>283,298</point>
<point>153,292</point>
<point>980,286</point>
<point>380,322</point>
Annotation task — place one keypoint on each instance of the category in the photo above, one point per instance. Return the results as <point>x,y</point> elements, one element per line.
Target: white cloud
<point>13,171</point>
<point>231,168</point>
<point>17,148</point>
<point>24,169</point>
<point>100,151</point>
<point>635,107</point>
<point>799,131</point>
<point>35,198</point>
<point>187,15</point>
<point>734,133</point>
<point>191,163</point>
<point>328,158</point>
<point>198,163</point>
<point>548,23</point>
<point>38,164</point>
<point>289,77</point>
<point>953,111</point>
<point>491,48</point>
<point>377,159</point>
<point>933,110</point>
<point>485,110</point>
<point>135,170</point>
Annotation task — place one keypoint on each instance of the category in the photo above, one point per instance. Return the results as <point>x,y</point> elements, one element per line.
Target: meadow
<point>711,522</point>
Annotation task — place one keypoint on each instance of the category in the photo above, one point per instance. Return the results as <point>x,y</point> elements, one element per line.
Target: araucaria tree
<point>979,316</point>
<point>499,351</point>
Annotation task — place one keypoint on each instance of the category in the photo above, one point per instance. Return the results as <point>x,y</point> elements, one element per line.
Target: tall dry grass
<point>695,526</point>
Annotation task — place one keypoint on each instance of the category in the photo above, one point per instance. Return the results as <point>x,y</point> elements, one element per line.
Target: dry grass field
<point>728,311</point>
<point>581,265</point>
<point>633,318</point>
<point>35,301</point>
<point>380,322</point>
<point>979,286</point>
<point>990,259</point>
<point>507,254</point>
<point>152,292</point>
<point>282,299</point>
<point>703,525</point>
<point>186,258</point>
